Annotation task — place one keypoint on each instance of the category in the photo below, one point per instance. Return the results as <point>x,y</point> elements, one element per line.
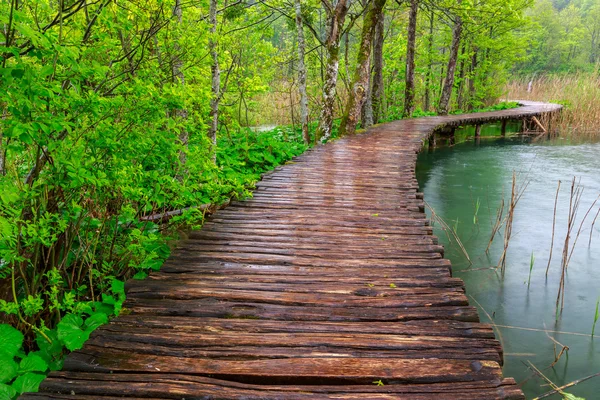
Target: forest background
<point>115,112</point>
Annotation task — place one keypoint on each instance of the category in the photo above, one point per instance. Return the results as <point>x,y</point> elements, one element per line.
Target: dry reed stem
<point>580,227</point>
<point>556,342</point>
<point>497,224</point>
<point>574,201</point>
<point>498,334</point>
<point>446,228</point>
<point>553,228</point>
<point>515,196</point>
<point>592,227</point>
<point>568,385</point>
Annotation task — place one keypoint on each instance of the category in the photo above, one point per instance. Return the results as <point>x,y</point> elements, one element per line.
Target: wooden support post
<point>477,130</point>
<point>432,140</point>
<point>452,136</point>
<point>503,132</point>
<point>539,124</point>
<point>524,129</point>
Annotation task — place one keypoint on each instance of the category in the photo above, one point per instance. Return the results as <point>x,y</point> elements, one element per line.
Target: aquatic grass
<point>477,205</point>
<point>531,262</point>
<point>596,316</point>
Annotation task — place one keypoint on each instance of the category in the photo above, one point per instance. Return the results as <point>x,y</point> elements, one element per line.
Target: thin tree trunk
<point>360,82</point>
<point>430,67</point>
<point>472,75</point>
<point>216,80</point>
<point>409,94</point>
<point>179,78</point>
<point>377,87</point>
<point>366,117</point>
<point>451,68</point>
<point>461,79</point>
<point>336,16</point>
<point>302,73</point>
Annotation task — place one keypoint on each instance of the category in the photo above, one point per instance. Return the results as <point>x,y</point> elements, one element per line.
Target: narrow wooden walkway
<point>327,281</point>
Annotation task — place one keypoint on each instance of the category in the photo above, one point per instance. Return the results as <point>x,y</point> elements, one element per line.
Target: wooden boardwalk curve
<point>327,281</point>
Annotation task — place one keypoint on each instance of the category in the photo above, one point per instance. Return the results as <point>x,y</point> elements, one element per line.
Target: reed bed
<point>578,92</point>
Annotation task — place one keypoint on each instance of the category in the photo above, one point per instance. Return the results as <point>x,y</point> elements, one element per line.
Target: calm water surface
<point>454,179</point>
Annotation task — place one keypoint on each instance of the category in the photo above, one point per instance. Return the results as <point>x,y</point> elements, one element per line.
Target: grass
<point>579,93</point>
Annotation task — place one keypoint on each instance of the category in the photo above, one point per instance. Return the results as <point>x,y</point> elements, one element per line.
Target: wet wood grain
<point>328,280</point>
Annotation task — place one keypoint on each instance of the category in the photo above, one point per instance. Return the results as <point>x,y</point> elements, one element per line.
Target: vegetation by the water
<point>578,92</point>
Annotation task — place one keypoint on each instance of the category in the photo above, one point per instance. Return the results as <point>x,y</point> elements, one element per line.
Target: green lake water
<point>454,179</point>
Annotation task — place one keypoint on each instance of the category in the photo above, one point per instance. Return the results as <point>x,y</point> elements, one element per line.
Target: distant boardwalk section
<point>327,284</point>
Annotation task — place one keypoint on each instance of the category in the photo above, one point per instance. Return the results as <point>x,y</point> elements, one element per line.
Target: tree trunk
<point>430,67</point>
<point>366,117</point>
<point>409,93</point>
<point>377,87</point>
<point>471,103</point>
<point>178,77</point>
<point>216,80</point>
<point>461,79</point>
<point>451,68</point>
<point>302,73</point>
<point>336,17</point>
<point>360,81</point>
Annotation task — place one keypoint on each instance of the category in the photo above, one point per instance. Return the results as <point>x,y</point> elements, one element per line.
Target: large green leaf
<point>70,332</point>
<point>33,363</point>
<point>7,392</point>
<point>28,382</point>
<point>95,321</point>
<point>8,369</point>
<point>11,341</point>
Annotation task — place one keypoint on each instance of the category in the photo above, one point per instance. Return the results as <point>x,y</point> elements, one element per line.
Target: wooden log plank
<point>222,308</point>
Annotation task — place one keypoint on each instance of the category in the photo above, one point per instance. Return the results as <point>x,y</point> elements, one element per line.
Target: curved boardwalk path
<point>327,281</point>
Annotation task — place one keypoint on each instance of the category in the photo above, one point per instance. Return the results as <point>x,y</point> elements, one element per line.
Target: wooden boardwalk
<point>327,281</point>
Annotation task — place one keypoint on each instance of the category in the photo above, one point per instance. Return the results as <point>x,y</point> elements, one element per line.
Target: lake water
<point>464,184</point>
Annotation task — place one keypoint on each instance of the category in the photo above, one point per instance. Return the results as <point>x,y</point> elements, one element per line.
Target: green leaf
<point>70,332</point>
<point>11,341</point>
<point>33,363</point>
<point>29,382</point>
<point>7,392</point>
<point>8,369</point>
<point>95,321</point>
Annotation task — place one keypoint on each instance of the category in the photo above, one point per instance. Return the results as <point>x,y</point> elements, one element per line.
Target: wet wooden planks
<point>326,282</point>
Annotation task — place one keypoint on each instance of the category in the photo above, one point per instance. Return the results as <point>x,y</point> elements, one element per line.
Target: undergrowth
<point>71,302</point>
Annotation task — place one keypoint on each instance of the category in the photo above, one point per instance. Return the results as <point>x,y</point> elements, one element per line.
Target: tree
<point>409,96</point>
<point>302,72</point>
<point>216,79</point>
<point>336,15</point>
<point>444,104</point>
<point>361,76</point>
